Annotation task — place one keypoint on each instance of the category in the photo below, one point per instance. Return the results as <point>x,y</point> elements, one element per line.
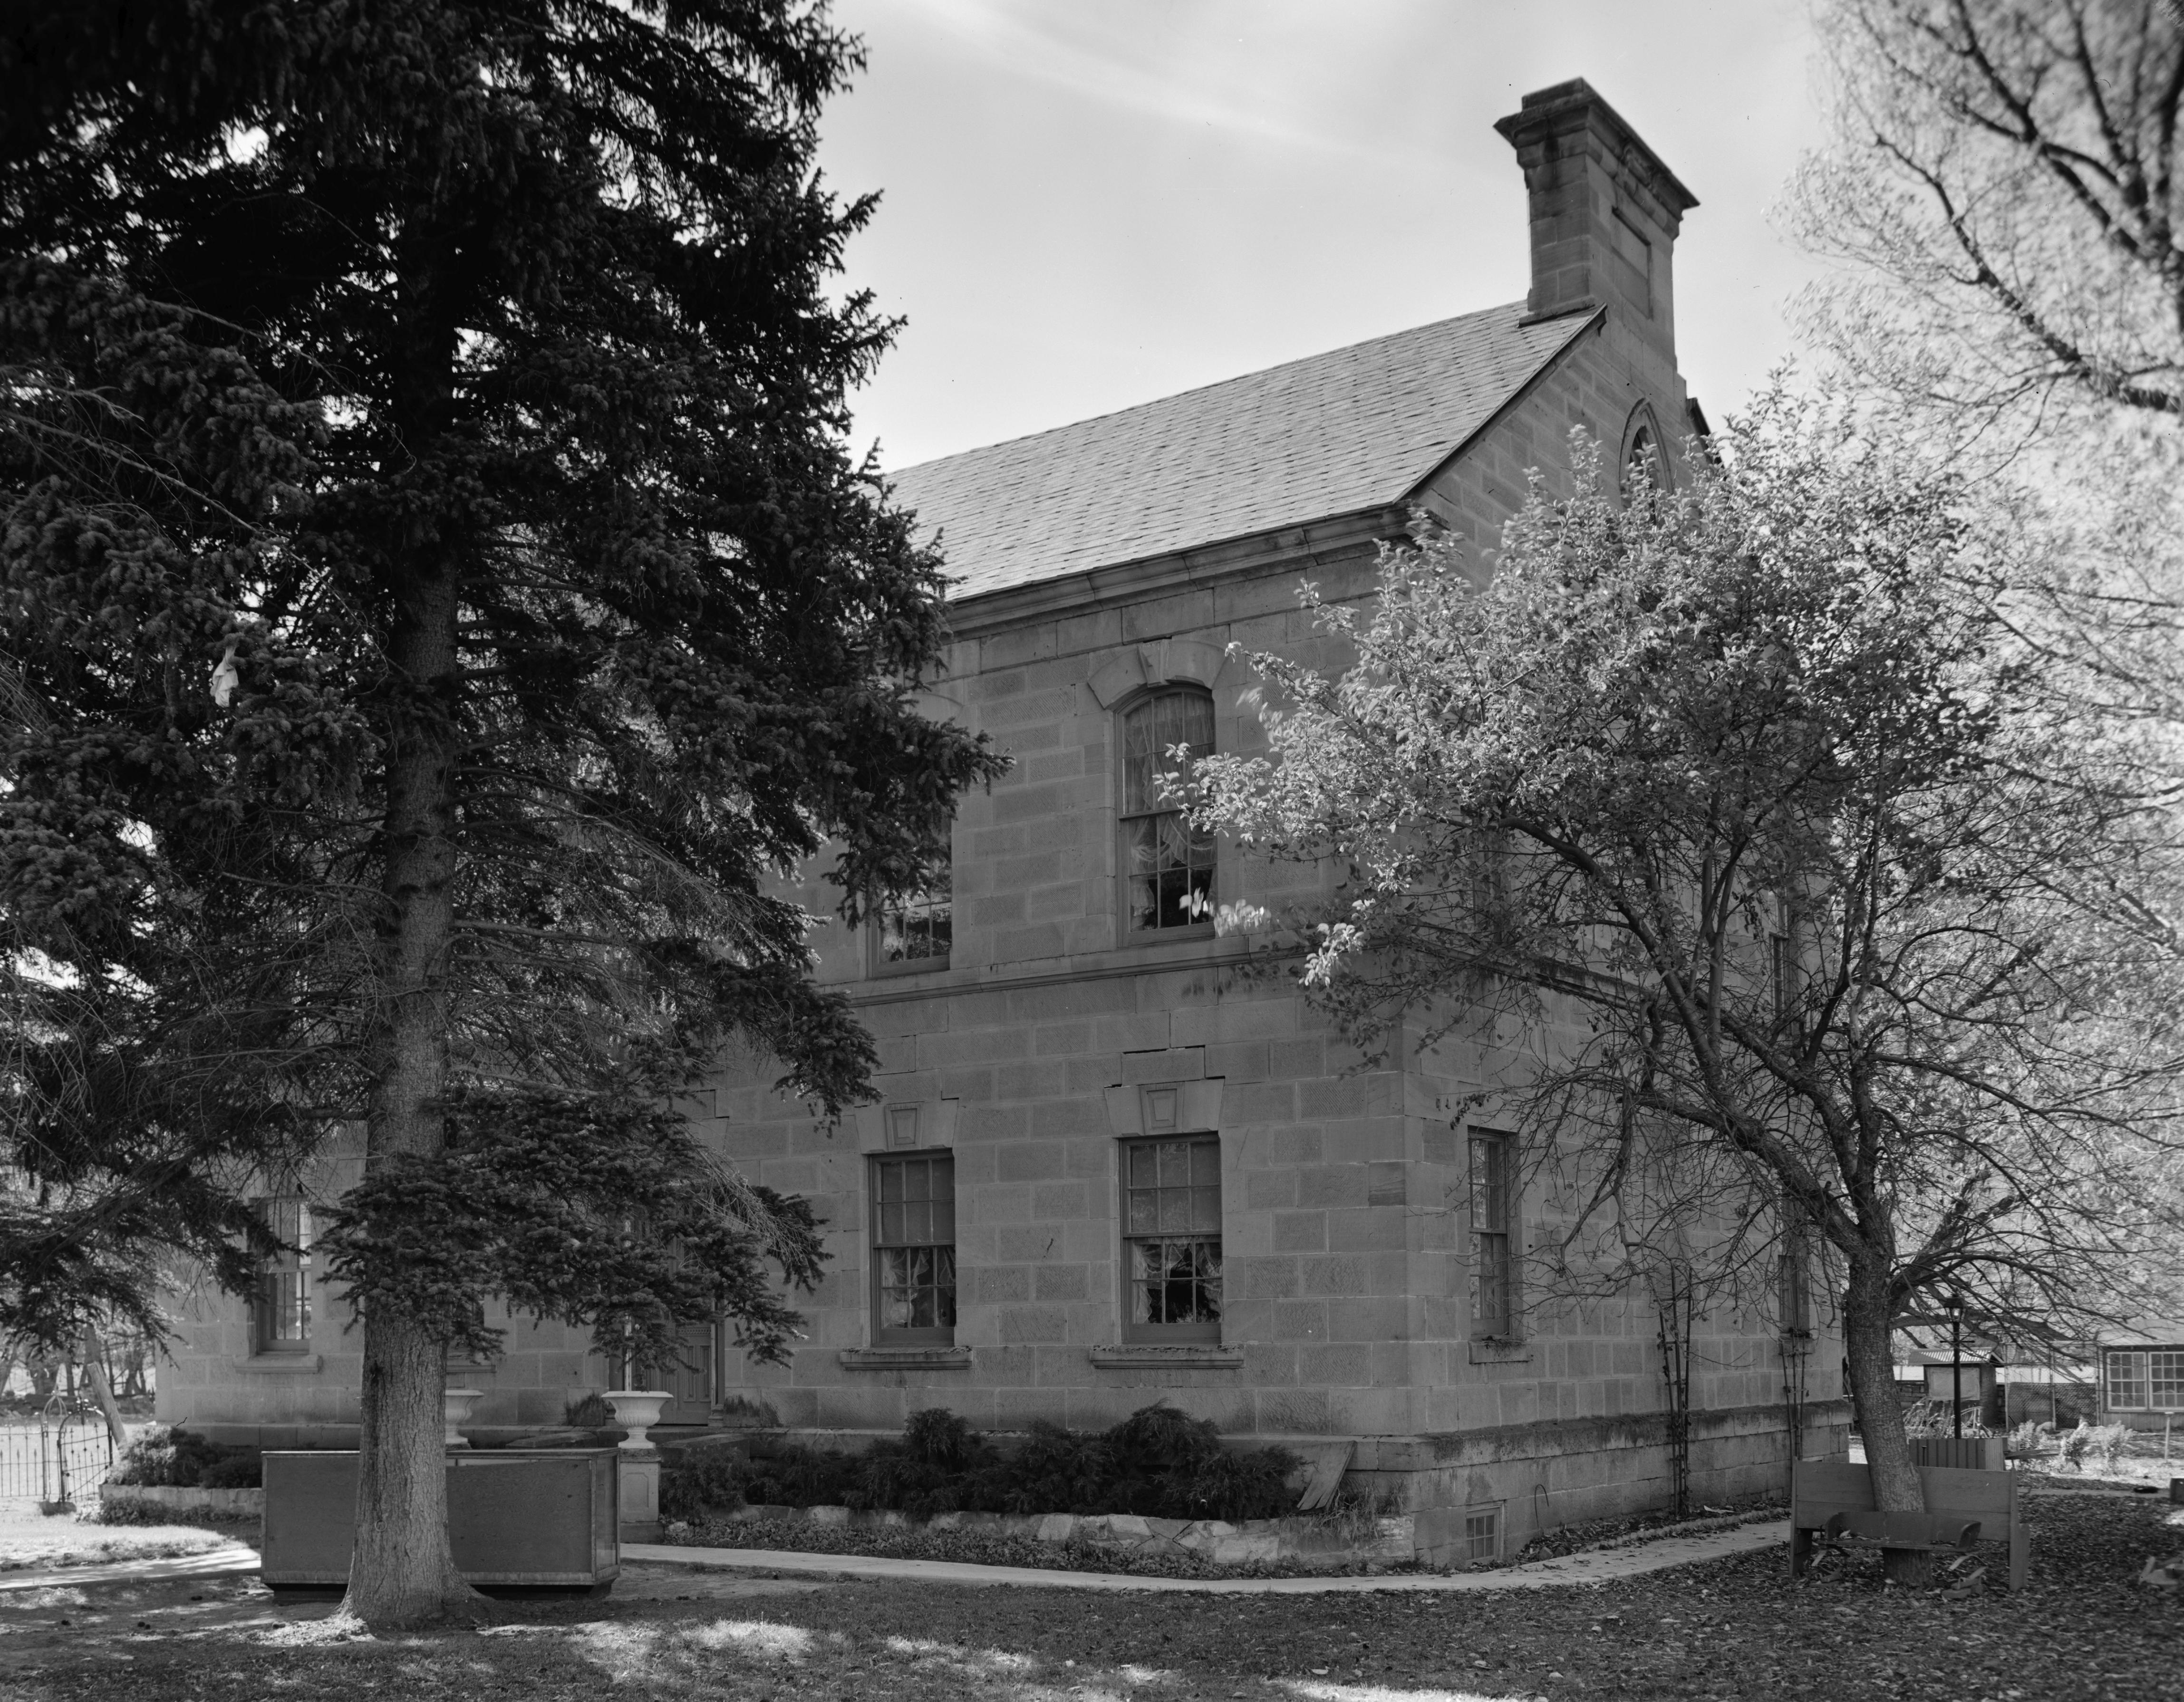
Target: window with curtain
<point>916,926</point>
<point>1172,1239</point>
<point>914,1250</point>
<point>1167,865</point>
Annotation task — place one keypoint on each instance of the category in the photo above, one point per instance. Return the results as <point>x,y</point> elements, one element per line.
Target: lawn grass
<point>1734,1628</point>
<point>31,1541</point>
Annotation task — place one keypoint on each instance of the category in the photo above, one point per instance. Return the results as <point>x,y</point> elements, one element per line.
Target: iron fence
<point>61,1456</point>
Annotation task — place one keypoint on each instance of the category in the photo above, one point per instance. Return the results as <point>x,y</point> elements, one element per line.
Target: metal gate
<point>61,1457</point>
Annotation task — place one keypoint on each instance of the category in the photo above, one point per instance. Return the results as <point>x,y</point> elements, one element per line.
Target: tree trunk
<point>1896,1486</point>
<point>94,1373</point>
<point>404,1572</point>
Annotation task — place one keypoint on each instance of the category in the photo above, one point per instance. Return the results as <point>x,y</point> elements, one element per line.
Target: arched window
<point>1643,463</point>
<point>1167,865</point>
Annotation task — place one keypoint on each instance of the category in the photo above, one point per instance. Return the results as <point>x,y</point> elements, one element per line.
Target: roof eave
<point>1245,556</point>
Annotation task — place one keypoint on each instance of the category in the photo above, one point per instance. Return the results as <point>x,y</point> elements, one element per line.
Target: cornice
<point>1256,554</point>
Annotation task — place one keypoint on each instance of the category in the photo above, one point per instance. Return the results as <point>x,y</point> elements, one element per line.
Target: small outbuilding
<point>2141,1374</point>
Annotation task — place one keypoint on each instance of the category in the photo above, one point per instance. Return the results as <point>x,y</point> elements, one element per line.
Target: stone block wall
<point>1343,1188</point>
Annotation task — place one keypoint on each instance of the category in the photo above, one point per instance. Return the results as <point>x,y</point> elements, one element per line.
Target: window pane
<point>914,1230</point>
<point>1488,1181</point>
<point>1173,1221</point>
<point>2127,1381</point>
<point>2166,1379</point>
<point>916,925</point>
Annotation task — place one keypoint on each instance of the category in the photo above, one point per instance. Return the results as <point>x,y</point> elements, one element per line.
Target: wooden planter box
<point>518,1518</point>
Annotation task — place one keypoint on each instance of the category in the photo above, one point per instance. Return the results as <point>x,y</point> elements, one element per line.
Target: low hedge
<point>179,1459</point>
<point>1158,1462</point>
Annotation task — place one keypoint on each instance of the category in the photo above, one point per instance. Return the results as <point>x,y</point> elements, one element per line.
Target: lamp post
<point>1954,1306</point>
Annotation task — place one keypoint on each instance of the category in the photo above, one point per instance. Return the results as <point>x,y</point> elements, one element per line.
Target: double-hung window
<point>914,1250</point>
<point>1493,1270</point>
<point>281,1312</point>
<point>1168,863</point>
<point>1171,1238</point>
<point>1794,1297</point>
<point>917,926</point>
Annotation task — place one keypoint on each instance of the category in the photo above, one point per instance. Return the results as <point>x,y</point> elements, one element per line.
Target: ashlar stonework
<point>1110,1161</point>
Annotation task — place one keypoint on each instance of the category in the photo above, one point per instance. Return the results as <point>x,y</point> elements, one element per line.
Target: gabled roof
<point>1354,429</point>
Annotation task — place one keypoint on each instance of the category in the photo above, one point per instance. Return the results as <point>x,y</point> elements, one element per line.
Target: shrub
<point>1157,1461</point>
<point>1056,1471</point>
<point>2071,1446</point>
<point>2023,1443</point>
<point>243,1469</point>
<point>795,1476</point>
<point>2107,1441</point>
<point>1923,1419</point>
<point>1243,1483</point>
<point>591,1413</point>
<point>699,1480</point>
<point>179,1459</point>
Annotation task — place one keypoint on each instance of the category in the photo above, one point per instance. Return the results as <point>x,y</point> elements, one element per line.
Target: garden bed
<point>1063,1542</point>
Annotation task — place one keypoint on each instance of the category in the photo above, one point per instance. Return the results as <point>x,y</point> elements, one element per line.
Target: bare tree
<point>2003,192</point>
<point>2006,174</point>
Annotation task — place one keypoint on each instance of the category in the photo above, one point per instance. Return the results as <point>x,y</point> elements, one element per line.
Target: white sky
<point>1090,203</point>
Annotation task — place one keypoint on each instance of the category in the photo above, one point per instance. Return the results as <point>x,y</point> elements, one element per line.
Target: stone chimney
<point>1604,211</point>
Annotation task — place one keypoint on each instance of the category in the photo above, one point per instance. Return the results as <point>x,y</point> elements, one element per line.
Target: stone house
<point>1107,1167</point>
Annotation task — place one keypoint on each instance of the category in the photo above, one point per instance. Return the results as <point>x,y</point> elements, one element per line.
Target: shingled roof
<point>1354,429</point>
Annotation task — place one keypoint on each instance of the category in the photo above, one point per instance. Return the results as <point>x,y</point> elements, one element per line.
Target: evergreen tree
<point>438,595</point>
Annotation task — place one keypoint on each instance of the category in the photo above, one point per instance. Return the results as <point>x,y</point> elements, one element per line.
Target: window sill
<point>281,1365</point>
<point>902,966</point>
<point>1501,1350</point>
<point>905,1359</point>
<point>1162,936</point>
<point>1165,1355</point>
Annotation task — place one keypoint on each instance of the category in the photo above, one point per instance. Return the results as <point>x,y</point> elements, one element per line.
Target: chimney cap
<point>1565,106</point>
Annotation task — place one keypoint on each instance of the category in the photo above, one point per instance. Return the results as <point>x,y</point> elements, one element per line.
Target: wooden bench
<point>1831,1499</point>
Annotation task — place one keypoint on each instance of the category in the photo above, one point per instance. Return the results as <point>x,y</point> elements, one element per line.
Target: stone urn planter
<point>456,1404</point>
<point>636,1411</point>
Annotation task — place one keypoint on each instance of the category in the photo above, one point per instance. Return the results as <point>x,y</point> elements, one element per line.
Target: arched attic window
<point>1643,462</point>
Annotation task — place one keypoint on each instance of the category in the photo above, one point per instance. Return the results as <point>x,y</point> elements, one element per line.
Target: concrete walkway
<point>1592,1568</point>
<point>1595,1566</point>
<point>229,1558</point>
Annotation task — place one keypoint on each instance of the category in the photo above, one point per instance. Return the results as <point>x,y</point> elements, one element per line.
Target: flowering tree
<point>1831,912</point>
